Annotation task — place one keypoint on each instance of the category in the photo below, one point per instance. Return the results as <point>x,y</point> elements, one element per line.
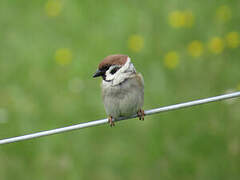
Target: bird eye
<point>114,70</point>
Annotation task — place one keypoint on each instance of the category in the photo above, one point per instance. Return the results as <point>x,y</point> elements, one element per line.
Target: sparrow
<point>122,87</point>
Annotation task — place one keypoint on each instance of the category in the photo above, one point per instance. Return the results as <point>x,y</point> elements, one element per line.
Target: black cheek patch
<point>114,70</point>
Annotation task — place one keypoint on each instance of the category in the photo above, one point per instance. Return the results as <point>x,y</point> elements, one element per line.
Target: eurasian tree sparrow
<point>122,87</point>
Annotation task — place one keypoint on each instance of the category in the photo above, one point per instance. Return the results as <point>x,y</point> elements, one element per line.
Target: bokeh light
<point>216,45</point>
<point>135,43</point>
<point>178,19</point>
<point>171,60</point>
<point>53,7</point>
<point>63,56</point>
<point>195,48</point>
<point>232,39</point>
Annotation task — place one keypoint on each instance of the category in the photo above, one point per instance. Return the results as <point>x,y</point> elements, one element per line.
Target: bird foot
<point>110,121</point>
<point>141,114</point>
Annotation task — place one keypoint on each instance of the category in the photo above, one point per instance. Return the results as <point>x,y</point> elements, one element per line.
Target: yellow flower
<point>179,19</point>
<point>176,19</point>
<point>135,43</point>
<point>171,60</point>
<point>224,13</point>
<point>63,56</point>
<point>53,8</point>
<point>232,39</point>
<point>195,48</point>
<point>216,45</point>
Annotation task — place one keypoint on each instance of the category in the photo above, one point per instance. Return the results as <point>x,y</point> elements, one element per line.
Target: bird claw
<point>110,121</point>
<point>141,114</point>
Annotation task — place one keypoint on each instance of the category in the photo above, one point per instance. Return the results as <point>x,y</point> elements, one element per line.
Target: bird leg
<point>141,114</point>
<point>110,121</point>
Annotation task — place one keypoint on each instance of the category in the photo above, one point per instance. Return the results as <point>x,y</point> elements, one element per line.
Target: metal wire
<point>104,121</point>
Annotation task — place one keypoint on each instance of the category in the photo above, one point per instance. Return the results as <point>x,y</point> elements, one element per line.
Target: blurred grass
<point>48,52</point>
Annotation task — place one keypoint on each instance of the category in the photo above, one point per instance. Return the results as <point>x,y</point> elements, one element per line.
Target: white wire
<point>103,121</point>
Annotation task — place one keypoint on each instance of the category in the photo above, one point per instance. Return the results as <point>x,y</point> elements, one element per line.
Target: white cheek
<point>121,74</point>
<point>109,76</point>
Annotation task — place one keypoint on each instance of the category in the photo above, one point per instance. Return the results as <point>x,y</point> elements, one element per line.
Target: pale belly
<point>123,100</point>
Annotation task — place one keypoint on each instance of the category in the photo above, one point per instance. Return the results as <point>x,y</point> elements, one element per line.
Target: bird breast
<point>125,98</point>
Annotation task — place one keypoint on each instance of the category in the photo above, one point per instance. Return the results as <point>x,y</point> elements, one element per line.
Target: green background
<point>37,93</point>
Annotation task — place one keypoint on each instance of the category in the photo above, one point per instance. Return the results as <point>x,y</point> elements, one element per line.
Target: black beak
<point>98,73</point>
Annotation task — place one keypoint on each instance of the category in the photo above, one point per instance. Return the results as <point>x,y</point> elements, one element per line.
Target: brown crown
<point>118,59</point>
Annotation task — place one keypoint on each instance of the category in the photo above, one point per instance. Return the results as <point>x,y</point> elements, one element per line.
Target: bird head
<point>114,66</point>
